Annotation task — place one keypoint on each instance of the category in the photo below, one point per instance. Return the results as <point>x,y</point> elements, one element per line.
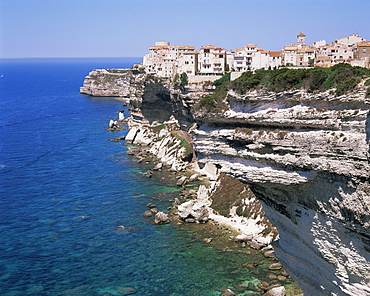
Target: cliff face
<point>306,158</point>
<point>157,99</point>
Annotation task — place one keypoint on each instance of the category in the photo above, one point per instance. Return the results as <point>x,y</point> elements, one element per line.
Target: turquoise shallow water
<point>64,189</point>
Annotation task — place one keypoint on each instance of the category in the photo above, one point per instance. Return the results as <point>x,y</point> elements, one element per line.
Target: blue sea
<point>64,188</point>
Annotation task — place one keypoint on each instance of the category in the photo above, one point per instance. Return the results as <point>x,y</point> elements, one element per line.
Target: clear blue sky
<point>126,28</point>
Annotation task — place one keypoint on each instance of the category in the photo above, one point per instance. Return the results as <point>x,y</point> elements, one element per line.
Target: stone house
<point>305,56</point>
<point>361,50</point>
<point>361,54</point>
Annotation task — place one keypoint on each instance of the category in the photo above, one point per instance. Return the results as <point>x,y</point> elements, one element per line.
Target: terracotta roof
<point>275,53</point>
<point>364,44</point>
<point>301,34</point>
<point>210,47</point>
<point>251,45</point>
<point>190,52</point>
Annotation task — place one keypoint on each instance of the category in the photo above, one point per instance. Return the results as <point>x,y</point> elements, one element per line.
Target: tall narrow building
<point>301,38</point>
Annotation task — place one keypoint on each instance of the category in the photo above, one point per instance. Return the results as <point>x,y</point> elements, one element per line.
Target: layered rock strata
<point>306,158</point>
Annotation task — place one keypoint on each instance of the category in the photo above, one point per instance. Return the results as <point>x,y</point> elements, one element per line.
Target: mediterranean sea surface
<point>64,188</point>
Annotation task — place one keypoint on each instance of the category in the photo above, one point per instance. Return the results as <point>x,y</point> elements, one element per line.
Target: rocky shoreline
<point>304,156</point>
<point>163,149</point>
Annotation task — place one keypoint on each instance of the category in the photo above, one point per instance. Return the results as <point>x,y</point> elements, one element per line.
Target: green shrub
<point>224,79</point>
<point>215,102</point>
<point>184,79</point>
<point>346,86</point>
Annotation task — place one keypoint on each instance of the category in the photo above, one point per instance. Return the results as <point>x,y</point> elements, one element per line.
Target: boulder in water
<point>161,218</point>
<point>276,291</point>
<point>121,117</point>
<point>181,181</point>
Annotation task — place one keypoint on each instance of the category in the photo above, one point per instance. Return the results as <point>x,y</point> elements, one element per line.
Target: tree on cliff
<point>183,79</point>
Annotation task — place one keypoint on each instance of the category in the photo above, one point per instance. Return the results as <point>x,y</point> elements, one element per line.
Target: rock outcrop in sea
<point>302,159</point>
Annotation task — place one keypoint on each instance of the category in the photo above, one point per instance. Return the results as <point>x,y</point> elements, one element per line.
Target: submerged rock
<point>126,290</point>
<point>275,266</point>
<point>148,213</point>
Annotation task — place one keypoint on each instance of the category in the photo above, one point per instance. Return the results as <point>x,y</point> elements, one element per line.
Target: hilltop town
<point>166,60</point>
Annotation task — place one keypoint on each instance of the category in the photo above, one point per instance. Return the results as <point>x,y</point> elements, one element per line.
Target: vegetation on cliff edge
<point>343,77</point>
<point>215,102</point>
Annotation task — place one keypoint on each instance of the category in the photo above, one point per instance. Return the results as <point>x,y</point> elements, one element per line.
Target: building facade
<point>163,58</point>
<point>167,60</point>
<point>212,60</point>
<point>242,57</point>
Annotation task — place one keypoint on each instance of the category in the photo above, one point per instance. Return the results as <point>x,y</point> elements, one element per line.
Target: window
<point>206,50</point>
<point>364,50</point>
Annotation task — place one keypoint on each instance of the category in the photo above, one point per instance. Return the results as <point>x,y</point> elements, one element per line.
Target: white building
<point>275,59</point>
<point>162,59</point>
<point>188,63</point>
<point>212,60</point>
<point>243,58</point>
<point>260,59</point>
<point>350,40</point>
<point>290,55</point>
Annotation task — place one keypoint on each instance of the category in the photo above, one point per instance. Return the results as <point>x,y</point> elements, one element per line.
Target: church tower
<point>301,38</point>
